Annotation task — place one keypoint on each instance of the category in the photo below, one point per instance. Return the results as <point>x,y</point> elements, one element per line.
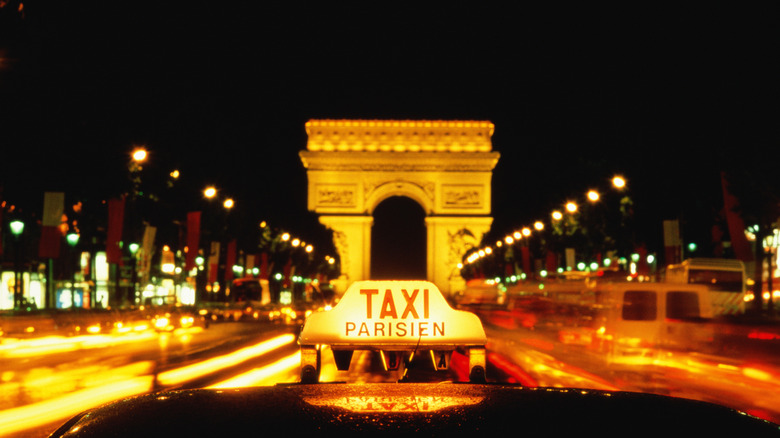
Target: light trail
<point>264,376</point>
<point>134,379</point>
<point>200,369</point>
<point>59,344</point>
<point>61,408</point>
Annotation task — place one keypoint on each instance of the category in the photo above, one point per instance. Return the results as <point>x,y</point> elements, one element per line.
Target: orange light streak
<point>60,408</point>
<point>266,375</point>
<point>180,375</point>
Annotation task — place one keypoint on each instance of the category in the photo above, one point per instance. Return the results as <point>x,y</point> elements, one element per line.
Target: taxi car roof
<point>434,409</point>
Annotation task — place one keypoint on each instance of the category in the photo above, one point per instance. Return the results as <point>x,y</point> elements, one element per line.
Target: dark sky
<point>222,91</point>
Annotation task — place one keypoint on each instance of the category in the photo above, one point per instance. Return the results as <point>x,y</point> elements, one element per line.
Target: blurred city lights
<point>139,155</point>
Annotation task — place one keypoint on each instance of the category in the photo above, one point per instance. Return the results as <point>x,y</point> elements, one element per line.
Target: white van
<point>635,320</point>
<point>725,279</point>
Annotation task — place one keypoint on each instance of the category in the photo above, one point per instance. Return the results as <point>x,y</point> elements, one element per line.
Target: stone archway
<point>445,166</point>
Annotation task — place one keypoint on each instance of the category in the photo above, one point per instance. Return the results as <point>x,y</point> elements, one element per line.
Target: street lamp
<point>17,228</point>
<point>73,240</point>
<point>139,155</point>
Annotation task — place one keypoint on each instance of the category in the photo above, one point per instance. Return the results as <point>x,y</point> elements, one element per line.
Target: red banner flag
<point>736,225</point>
<point>116,217</point>
<point>193,239</point>
<point>213,262</point>
<point>2,207</point>
<point>552,262</point>
<point>526,255</point>
<point>264,266</point>
<point>230,260</point>
<point>51,237</point>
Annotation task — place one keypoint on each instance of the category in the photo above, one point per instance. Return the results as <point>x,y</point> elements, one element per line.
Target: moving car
<point>404,320</point>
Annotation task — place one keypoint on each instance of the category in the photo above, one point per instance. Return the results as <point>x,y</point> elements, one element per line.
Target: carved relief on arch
<point>422,193</point>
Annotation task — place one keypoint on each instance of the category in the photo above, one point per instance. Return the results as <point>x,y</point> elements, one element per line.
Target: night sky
<point>668,98</point>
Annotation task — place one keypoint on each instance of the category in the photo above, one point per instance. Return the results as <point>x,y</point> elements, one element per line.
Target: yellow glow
<point>210,192</point>
<point>538,225</point>
<point>509,240</point>
<point>618,182</point>
<point>58,409</point>
<point>180,375</point>
<point>406,314</point>
<point>557,215</point>
<point>571,207</point>
<point>161,323</point>
<point>593,195</point>
<point>399,136</point>
<point>267,375</point>
<point>396,404</point>
<point>139,154</point>
<point>757,374</point>
<point>526,231</point>
<point>229,203</point>
<point>286,237</point>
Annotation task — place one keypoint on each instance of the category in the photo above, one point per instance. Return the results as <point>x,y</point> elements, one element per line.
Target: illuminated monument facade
<point>445,166</point>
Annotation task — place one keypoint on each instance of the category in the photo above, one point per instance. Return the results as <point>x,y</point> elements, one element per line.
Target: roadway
<point>46,380</point>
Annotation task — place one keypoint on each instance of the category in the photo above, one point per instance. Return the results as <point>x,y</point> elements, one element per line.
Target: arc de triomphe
<point>445,166</point>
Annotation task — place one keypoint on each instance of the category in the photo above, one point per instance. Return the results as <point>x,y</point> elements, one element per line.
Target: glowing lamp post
<point>17,228</point>
<point>73,240</point>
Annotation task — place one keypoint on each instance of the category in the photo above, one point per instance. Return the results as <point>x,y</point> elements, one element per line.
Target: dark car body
<point>429,409</point>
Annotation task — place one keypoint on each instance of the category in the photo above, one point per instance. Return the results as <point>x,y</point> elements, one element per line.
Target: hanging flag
<point>552,262</point>
<point>642,267</point>
<point>526,255</point>
<point>116,215</point>
<point>250,265</point>
<point>144,266</point>
<point>193,239</point>
<point>287,271</point>
<point>264,265</point>
<point>735,223</point>
<point>672,242</point>
<point>230,260</point>
<point>213,262</point>
<point>2,207</point>
<point>51,236</point>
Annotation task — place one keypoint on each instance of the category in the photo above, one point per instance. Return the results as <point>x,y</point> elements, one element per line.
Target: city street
<point>47,380</point>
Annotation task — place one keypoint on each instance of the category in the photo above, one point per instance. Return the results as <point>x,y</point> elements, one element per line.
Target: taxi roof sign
<point>394,315</point>
<point>389,314</point>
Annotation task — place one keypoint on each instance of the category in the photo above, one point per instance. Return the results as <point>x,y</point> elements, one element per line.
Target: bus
<point>725,279</point>
<point>626,321</point>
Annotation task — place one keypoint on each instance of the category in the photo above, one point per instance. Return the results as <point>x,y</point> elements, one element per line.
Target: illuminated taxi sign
<point>391,317</point>
<point>393,314</point>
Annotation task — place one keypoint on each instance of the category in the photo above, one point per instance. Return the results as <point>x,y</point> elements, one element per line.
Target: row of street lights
<point>563,224</point>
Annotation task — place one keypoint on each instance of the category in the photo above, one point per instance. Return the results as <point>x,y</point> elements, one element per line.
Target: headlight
<point>161,322</point>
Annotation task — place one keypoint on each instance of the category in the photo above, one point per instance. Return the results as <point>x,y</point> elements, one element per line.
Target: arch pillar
<point>352,239</point>
<point>449,238</point>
